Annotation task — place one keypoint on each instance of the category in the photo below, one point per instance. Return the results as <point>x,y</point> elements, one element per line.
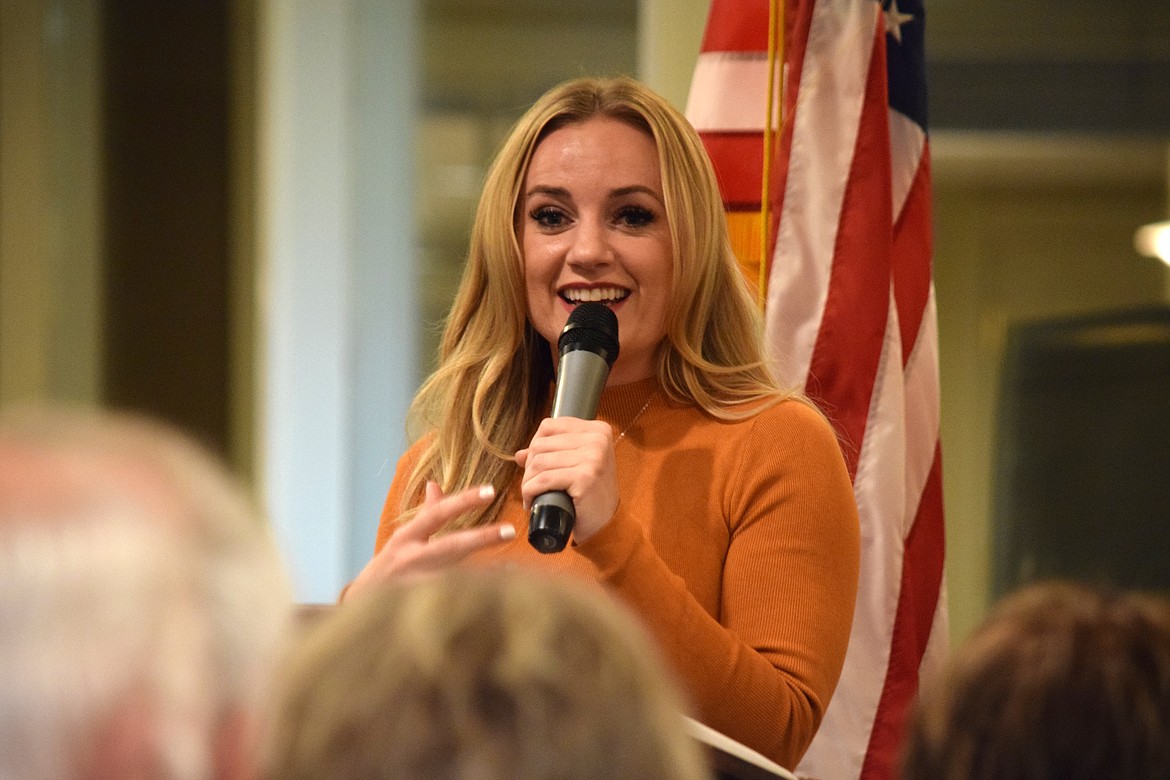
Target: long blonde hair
<point>491,387</point>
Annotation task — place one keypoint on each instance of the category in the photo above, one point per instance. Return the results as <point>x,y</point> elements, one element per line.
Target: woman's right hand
<point>413,549</point>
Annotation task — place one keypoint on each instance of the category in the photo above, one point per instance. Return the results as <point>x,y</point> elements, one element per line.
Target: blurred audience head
<point>143,603</point>
<point>1061,681</point>
<point>478,675</point>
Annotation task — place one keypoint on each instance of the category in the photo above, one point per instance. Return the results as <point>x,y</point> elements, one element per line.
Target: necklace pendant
<point>622,434</point>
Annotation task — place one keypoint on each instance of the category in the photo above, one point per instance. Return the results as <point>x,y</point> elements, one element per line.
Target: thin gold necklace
<point>634,419</point>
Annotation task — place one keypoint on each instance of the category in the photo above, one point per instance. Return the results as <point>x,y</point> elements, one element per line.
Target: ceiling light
<point>1153,240</point>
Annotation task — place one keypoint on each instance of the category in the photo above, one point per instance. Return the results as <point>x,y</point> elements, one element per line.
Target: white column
<point>386,301</point>
<point>337,319</point>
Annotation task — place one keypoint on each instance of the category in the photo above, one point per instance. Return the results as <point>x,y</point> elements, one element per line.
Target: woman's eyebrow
<point>540,189</point>
<point>634,189</point>
<point>562,192</point>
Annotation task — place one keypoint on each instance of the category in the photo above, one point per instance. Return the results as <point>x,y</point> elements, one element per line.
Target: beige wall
<point>1025,228</point>
<point>49,203</point>
<point>669,35</point>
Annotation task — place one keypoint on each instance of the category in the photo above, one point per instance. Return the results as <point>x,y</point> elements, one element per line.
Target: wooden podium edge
<point>733,760</point>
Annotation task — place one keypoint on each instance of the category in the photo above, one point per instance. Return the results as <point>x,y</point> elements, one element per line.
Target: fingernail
<point>486,492</point>
<point>507,532</point>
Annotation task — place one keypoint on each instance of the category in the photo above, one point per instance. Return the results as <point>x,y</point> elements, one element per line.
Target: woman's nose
<point>590,246</point>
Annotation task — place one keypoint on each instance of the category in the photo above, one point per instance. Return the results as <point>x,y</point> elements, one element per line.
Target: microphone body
<point>588,347</point>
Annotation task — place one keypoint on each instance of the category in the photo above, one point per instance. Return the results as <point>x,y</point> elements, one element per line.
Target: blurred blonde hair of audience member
<point>1061,681</point>
<point>143,603</point>
<point>481,675</point>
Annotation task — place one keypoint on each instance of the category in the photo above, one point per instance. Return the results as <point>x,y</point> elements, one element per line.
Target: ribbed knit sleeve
<point>762,666</point>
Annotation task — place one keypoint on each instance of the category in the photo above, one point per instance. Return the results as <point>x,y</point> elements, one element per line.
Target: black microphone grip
<point>588,347</point>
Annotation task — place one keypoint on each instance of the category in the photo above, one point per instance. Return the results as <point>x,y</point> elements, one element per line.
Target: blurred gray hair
<point>133,569</point>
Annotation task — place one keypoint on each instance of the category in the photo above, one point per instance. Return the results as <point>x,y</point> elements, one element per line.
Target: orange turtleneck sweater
<point>736,543</point>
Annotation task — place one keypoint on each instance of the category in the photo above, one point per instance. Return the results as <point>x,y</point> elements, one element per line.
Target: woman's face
<point>592,227</point>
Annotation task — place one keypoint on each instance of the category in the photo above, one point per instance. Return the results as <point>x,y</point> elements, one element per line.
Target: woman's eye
<point>635,216</point>
<point>547,217</point>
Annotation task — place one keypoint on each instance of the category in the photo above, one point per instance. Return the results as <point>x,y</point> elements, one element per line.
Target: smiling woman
<point>593,227</point>
<point>726,519</point>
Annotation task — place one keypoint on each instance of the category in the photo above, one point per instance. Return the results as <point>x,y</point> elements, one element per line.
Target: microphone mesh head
<point>591,326</point>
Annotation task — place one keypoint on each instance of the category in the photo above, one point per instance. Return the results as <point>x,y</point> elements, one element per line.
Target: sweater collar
<point>621,404</point>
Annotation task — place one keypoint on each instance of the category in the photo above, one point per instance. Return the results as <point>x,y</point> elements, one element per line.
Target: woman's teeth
<point>608,295</point>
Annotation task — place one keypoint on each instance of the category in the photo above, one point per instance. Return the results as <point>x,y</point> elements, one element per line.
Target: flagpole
<point>775,52</point>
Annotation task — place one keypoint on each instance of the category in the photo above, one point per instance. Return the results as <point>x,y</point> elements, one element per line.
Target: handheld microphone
<point>588,346</point>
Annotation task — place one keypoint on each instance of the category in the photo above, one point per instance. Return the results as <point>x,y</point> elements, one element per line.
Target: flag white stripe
<point>938,644</point>
<point>906,144</point>
<point>922,410</point>
<point>830,96</point>
<point>729,92</point>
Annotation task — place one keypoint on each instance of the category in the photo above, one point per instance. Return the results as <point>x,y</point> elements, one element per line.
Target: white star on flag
<point>895,20</point>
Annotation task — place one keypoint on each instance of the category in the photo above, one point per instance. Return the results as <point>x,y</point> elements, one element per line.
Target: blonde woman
<point>716,504</point>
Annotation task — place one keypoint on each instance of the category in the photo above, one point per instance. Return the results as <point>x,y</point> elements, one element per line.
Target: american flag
<point>850,310</point>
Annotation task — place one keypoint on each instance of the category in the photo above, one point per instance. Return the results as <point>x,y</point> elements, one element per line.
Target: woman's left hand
<point>575,456</point>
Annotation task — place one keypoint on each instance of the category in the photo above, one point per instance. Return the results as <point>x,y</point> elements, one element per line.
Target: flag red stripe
<point>856,308</point>
<point>922,568</point>
<point>733,25</point>
<point>738,159</point>
<point>798,20</point>
<point>910,258</point>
